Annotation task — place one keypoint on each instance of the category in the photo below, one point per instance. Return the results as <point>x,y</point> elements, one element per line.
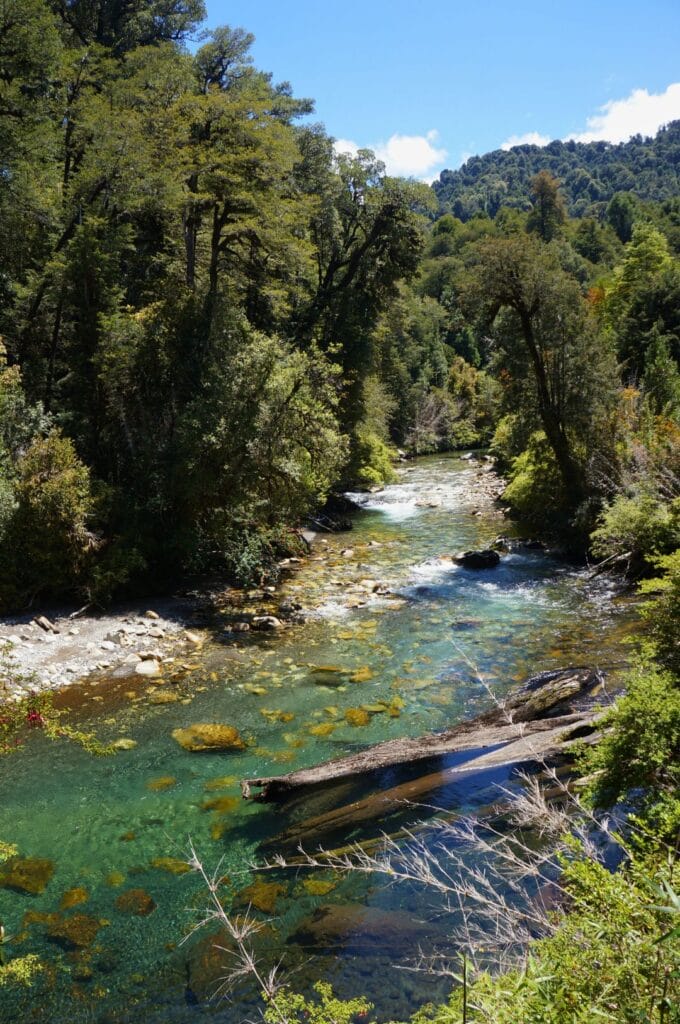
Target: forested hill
<point>590,173</point>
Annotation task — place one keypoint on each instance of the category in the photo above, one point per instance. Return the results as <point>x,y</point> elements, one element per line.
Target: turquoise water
<point>430,651</point>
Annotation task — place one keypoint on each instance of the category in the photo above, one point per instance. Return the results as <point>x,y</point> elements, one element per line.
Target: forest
<point>210,323</point>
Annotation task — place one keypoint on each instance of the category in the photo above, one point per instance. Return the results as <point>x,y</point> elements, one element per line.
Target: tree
<point>549,212</point>
<point>545,326</point>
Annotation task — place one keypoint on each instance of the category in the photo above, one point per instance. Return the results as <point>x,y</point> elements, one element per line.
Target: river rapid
<point>399,634</point>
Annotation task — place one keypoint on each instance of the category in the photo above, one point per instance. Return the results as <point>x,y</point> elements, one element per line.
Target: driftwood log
<point>541,741</point>
<point>531,724</point>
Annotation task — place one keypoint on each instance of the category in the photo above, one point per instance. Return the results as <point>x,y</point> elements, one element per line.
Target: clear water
<point>438,642</point>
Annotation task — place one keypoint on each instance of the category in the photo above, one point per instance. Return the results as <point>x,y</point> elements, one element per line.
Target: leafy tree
<point>548,211</point>
<point>546,327</point>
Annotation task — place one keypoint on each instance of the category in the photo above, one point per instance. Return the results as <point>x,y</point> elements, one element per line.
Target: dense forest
<point>591,173</point>
<point>209,322</point>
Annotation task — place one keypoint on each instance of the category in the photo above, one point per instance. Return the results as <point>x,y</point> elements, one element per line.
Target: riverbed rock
<point>209,736</point>
<point>486,559</point>
<point>266,623</point>
<point>149,667</point>
<point>124,743</point>
<point>29,875</point>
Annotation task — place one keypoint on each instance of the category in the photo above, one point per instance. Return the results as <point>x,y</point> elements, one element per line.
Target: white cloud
<point>640,113</point>
<point>410,156</point>
<point>346,146</point>
<point>528,139</point>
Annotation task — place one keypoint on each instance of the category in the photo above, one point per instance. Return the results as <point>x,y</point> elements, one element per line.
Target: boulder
<point>486,559</point>
<point>209,736</point>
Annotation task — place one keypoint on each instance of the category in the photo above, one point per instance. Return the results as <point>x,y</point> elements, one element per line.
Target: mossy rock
<point>161,783</point>
<point>28,875</point>
<point>135,901</point>
<point>209,736</point>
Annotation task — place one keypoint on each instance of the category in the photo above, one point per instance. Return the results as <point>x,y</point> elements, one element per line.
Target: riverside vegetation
<point>210,320</point>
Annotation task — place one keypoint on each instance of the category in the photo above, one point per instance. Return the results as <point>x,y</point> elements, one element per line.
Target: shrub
<point>535,490</point>
<point>46,539</point>
<point>638,528</point>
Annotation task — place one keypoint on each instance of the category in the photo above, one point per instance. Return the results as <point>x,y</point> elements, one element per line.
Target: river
<point>417,658</point>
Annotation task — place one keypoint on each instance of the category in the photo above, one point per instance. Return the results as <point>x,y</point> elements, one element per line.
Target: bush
<point>663,613</point>
<point>372,459</point>
<point>535,491</point>
<point>639,528</point>
<point>47,541</point>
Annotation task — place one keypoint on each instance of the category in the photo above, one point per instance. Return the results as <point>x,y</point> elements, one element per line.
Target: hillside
<point>590,173</point>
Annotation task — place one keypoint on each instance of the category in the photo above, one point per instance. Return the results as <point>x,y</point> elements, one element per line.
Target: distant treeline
<point>590,175</point>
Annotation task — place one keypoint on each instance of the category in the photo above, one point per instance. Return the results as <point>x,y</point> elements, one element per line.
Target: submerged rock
<point>209,736</point>
<point>28,875</point>
<point>135,901</point>
<point>173,865</point>
<point>72,897</point>
<point>75,932</point>
<point>263,896</point>
<point>487,559</point>
<point>349,925</point>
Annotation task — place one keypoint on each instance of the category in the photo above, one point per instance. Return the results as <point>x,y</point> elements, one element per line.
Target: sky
<point>426,85</point>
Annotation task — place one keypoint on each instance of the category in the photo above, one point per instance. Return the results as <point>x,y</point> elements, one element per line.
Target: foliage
<point>605,962</point>
<point>637,529</point>
<point>535,488</point>
<point>641,752</point>
<point>662,613</point>
<point>324,1009</point>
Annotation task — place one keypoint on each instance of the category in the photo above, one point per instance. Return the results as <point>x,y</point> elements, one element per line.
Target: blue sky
<point>428,84</point>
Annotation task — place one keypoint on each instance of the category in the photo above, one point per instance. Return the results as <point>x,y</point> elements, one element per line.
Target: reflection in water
<point>401,641</point>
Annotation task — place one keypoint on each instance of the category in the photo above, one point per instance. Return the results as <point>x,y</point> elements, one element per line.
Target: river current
<point>429,647</point>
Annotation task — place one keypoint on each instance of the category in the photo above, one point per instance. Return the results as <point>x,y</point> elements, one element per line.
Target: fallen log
<point>548,695</point>
<point>535,741</point>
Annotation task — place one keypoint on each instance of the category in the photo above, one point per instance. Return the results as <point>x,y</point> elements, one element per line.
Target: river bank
<point>57,647</point>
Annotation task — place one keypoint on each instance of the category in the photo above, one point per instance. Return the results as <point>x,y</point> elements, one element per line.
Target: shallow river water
<point>416,659</point>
